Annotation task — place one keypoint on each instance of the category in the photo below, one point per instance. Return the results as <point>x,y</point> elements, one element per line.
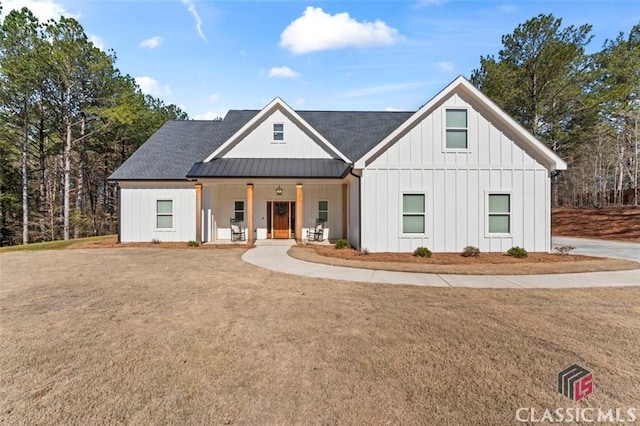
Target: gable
<point>261,143</point>
<point>294,142</point>
<point>489,144</point>
<point>492,128</point>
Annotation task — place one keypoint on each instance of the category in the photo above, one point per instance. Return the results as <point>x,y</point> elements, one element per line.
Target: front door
<point>281,219</point>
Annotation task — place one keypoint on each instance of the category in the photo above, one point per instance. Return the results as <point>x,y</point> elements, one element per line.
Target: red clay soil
<point>611,223</point>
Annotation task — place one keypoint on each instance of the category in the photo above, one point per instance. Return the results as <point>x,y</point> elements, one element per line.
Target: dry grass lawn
<point>163,336</point>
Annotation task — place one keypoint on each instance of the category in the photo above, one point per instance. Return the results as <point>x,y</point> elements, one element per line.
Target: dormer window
<point>278,132</point>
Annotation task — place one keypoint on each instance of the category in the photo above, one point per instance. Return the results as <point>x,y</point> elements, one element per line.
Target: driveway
<point>617,249</point>
<point>272,255</point>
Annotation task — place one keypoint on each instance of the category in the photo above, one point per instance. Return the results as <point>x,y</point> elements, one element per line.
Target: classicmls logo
<point>575,382</point>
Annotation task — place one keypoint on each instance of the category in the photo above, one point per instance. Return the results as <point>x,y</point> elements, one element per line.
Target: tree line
<point>585,107</point>
<point>68,119</point>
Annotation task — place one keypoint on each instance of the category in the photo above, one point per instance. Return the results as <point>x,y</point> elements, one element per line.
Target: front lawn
<point>165,336</point>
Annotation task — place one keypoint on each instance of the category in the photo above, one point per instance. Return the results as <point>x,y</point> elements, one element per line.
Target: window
<point>164,214</point>
<point>238,210</point>
<point>278,132</point>
<point>323,210</point>
<point>456,129</point>
<point>499,213</point>
<point>413,213</point>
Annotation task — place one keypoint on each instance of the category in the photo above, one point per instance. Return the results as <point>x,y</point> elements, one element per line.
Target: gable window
<point>456,129</point>
<point>238,210</point>
<point>164,214</point>
<point>323,210</point>
<point>499,213</point>
<point>278,132</point>
<point>413,213</point>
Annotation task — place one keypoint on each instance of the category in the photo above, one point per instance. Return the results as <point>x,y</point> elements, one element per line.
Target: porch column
<point>299,212</point>
<point>199,212</point>
<point>250,238</point>
<point>345,212</point>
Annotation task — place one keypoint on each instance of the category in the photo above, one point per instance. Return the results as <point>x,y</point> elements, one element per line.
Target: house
<point>457,172</point>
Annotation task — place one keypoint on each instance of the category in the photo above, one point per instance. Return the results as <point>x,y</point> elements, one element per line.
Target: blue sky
<point>211,56</point>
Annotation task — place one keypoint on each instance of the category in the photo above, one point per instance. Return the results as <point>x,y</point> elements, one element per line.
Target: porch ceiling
<point>270,168</point>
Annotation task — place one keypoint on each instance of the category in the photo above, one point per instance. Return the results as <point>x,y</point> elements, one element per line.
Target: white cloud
<point>445,66</point>
<point>427,3</point>
<point>214,97</point>
<point>283,72</point>
<point>97,41</point>
<point>316,30</point>
<point>377,90</point>
<point>194,12</point>
<point>152,43</point>
<point>392,109</point>
<point>42,9</point>
<point>151,87</point>
<point>210,115</point>
<point>507,8</point>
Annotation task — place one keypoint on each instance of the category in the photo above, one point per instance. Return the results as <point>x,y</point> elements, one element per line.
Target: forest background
<point>69,118</point>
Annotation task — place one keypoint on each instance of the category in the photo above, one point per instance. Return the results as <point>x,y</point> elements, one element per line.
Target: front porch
<point>283,209</point>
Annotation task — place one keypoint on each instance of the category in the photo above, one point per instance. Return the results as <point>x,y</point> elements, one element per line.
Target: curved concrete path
<point>272,255</point>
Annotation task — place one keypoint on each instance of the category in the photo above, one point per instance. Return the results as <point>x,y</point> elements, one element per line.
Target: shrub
<point>471,251</point>
<point>517,252</point>
<point>564,250</point>
<point>340,244</point>
<point>422,252</point>
<point>193,243</point>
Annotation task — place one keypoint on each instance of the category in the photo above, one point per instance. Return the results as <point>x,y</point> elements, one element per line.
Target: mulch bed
<point>455,263</point>
<point>113,243</point>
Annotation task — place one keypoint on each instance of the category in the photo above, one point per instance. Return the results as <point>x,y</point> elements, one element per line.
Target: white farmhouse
<point>457,172</point>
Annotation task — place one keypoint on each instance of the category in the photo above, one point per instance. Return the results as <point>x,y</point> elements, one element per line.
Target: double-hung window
<point>499,213</point>
<point>238,210</point>
<point>278,132</point>
<point>413,213</point>
<point>457,131</point>
<point>323,210</point>
<point>164,214</point>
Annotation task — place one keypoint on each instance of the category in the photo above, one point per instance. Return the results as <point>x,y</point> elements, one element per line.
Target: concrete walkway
<point>620,250</point>
<point>272,255</point>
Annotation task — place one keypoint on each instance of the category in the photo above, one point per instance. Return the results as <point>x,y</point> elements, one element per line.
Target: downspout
<point>119,224</point>
<point>359,208</point>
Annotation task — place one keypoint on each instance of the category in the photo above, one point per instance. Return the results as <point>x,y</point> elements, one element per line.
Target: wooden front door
<point>281,216</point>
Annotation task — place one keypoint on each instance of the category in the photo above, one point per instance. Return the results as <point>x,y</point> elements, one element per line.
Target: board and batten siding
<point>455,185</point>
<point>138,211</point>
<point>259,143</point>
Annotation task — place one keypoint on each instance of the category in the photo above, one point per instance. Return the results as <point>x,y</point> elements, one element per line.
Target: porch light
<point>278,190</point>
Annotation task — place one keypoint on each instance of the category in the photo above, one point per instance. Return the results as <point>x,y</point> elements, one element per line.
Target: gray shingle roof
<point>271,167</point>
<point>172,151</point>
<point>354,133</point>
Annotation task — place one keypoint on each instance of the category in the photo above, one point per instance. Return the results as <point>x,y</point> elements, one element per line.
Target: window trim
<point>172,214</point>
<point>423,214</point>
<point>244,209</point>
<point>326,211</point>
<point>445,148</point>
<point>488,213</point>
<point>281,132</point>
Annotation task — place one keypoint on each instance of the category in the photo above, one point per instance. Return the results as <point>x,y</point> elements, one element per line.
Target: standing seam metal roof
<point>270,167</point>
